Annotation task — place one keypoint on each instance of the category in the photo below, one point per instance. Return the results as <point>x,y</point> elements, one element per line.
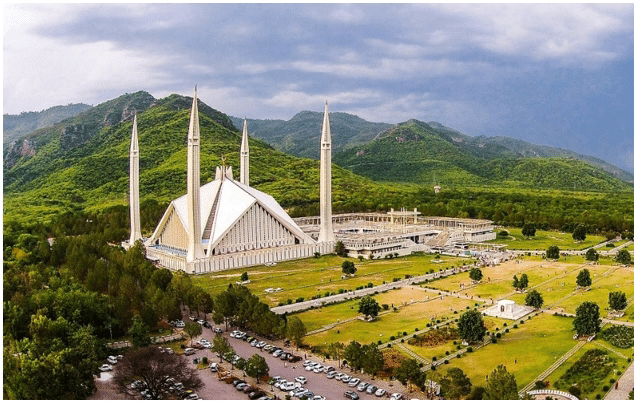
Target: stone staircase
<point>553,367</point>
<point>412,354</point>
<point>439,240</point>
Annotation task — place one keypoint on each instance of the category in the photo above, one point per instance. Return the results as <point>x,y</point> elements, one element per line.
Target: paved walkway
<point>626,384</point>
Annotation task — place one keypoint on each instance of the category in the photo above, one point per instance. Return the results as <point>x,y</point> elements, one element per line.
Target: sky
<point>553,74</point>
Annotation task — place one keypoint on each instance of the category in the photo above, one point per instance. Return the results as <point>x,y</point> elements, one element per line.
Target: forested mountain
<point>430,154</point>
<point>83,161</point>
<point>300,135</point>
<point>15,126</point>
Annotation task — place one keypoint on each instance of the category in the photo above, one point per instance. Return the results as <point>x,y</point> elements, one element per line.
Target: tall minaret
<point>194,249</point>
<point>134,184</point>
<point>244,156</point>
<point>326,211</point>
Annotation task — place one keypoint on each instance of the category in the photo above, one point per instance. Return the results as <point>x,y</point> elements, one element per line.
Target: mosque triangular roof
<point>222,204</point>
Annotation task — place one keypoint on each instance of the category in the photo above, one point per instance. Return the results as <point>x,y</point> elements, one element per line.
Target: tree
<point>295,330</point>
<point>340,248</point>
<point>617,300</point>
<point>476,274</point>
<point>552,252</point>
<point>587,321</point>
<point>592,255</point>
<point>408,373</point>
<point>455,384</point>
<point>353,354</point>
<point>534,299</point>
<point>139,333</point>
<point>522,283</point>
<point>623,257</point>
<point>256,367</point>
<point>372,359</point>
<point>583,278</point>
<point>528,230</point>
<point>244,277</point>
<point>348,267</point>
<point>471,326</point>
<point>336,350</point>
<point>579,234</point>
<point>369,306</point>
<point>501,385</point>
<point>153,366</point>
<point>221,346</point>
<point>192,330</point>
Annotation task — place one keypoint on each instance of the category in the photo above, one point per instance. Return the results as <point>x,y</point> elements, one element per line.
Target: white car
<point>288,386</point>
<point>331,374</point>
<point>396,396</point>
<point>112,360</point>
<point>346,378</point>
<point>307,362</point>
<point>192,318</point>
<point>301,379</point>
<point>318,398</point>
<point>179,324</point>
<point>380,392</point>
<point>318,369</point>
<point>106,368</point>
<point>354,382</point>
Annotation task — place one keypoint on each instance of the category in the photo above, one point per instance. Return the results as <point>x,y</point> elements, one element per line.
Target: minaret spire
<point>194,250</point>
<point>134,184</point>
<point>244,156</point>
<point>326,210</point>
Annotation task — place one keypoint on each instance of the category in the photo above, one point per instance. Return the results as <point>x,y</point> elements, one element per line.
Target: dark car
<point>249,389</point>
<point>206,324</point>
<point>254,395</point>
<point>238,381</point>
<point>352,395</point>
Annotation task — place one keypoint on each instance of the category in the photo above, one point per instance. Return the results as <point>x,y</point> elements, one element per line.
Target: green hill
<point>16,126</point>
<point>426,154</point>
<point>82,162</point>
<point>299,135</point>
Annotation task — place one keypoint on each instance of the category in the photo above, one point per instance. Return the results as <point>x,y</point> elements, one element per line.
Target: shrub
<point>505,324</point>
<point>446,361</point>
<point>498,335</point>
<point>539,384</point>
<point>402,340</point>
<point>469,349</point>
<point>404,333</point>
<point>289,301</point>
<point>612,381</point>
<point>515,326</point>
<point>392,338</point>
<point>205,360</point>
<point>388,345</point>
<point>493,340</point>
<point>299,299</point>
<point>598,396</point>
<point>619,336</point>
<point>385,306</point>
<point>605,388</point>
<point>433,367</point>
<point>458,356</point>
<point>416,329</point>
<point>434,358</point>
<point>421,365</point>
<point>447,353</point>
<point>521,321</point>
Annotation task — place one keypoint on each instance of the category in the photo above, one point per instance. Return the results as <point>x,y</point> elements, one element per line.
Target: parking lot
<point>318,383</point>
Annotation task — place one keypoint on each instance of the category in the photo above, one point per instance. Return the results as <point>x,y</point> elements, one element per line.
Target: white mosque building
<point>227,224</point>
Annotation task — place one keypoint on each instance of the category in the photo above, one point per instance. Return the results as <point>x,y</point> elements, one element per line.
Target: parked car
<point>329,369</point>
<point>301,379</point>
<point>318,369</point>
<point>218,330</point>
<point>241,386</point>
<point>192,318</point>
<point>346,378</point>
<point>106,368</point>
<point>189,351</point>
<point>354,382</point>
<point>179,324</point>
<point>206,324</point>
<point>331,374</point>
<point>261,344</point>
<point>288,386</point>
<point>318,398</point>
<point>307,362</point>
<point>371,389</point>
<point>351,394</point>
<point>213,367</point>
<point>112,359</point>
<point>237,381</point>
<point>362,386</point>
<point>396,396</point>
<point>256,394</point>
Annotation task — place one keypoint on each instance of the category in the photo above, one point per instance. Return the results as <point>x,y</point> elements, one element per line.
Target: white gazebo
<point>508,309</point>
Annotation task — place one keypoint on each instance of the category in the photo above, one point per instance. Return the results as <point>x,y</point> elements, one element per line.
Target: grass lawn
<point>312,276</point>
<point>544,239</point>
<point>406,319</point>
<point>427,352</point>
<point>622,279</point>
<point>317,318</point>
<point>536,345</point>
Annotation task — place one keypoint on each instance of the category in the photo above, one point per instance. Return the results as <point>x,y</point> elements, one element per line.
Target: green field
<point>393,323</point>
<point>544,239</point>
<point>317,318</point>
<point>536,345</point>
<point>312,276</point>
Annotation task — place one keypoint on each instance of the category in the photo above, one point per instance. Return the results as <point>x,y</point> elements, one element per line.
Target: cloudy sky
<point>555,74</point>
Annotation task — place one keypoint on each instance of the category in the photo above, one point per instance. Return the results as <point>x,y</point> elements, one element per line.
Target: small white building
<point>508,309</point>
